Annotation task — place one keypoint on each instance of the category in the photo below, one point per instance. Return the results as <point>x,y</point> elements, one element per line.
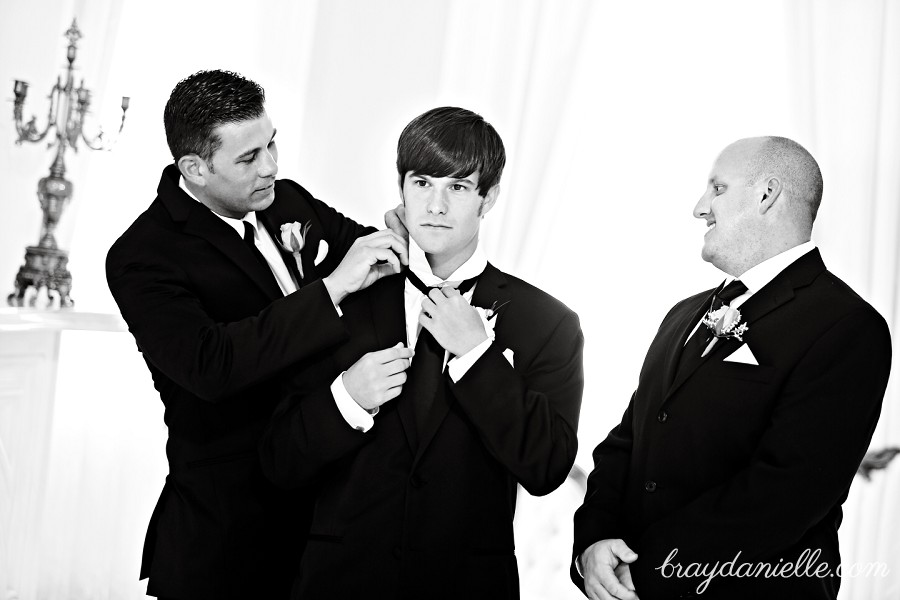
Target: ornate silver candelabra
<point>46,264</point>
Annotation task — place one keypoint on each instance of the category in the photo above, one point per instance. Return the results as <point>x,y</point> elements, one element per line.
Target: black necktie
<point>703,336</point>
<point>250,240</point>
<point>426,373</point>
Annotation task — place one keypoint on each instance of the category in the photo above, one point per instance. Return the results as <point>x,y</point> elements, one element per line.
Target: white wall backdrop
<point>612,113</point>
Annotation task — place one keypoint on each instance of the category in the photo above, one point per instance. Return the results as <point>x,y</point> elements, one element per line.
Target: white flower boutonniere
<point>725,322</point>
<point>293,238</point>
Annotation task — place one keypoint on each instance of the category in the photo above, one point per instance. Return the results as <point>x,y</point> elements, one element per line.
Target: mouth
<point>435,226</point>
<point>710,226</point>
<point>266,188</point>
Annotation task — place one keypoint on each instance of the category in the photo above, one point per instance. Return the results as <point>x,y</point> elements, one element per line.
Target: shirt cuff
<point>340,314</point>
<point>460,365</point>
<point>578,565</point>
<point>356,416</point>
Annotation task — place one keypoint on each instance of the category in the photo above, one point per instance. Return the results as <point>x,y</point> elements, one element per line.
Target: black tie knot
<point>732,291</point>
<point>462,288</point>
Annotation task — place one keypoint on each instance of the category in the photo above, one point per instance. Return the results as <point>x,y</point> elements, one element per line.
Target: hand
<point>607,575</point>
<point>452,321</point>
<point>378,376</point>
<point>370,258</point>
<point>395,220</point>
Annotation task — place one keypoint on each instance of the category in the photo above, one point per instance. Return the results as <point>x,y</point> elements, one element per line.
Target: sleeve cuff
<point>356,416</point>
<point>460,365</point>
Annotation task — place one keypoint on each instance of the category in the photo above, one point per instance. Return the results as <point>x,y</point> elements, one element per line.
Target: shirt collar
<point>757,277</point>
<point>418,264</point>
<point>236,224</point>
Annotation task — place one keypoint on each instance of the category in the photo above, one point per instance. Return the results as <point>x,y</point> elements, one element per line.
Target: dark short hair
<point>451,142</point>
<point>202,102</point>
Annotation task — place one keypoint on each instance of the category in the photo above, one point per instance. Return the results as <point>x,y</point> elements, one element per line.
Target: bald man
<point>755,404</point>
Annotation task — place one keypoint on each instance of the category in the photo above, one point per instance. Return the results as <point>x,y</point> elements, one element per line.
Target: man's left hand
<point>452,321</point>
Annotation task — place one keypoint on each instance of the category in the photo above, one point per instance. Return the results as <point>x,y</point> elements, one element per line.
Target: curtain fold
<point>846,97</point>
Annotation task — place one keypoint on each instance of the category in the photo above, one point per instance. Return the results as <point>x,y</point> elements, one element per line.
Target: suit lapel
<point>272,223</point>
<point>773,295</point>
<point>683,328</point>
<point>490,290</point>
<point>201,222</point>
<point>388,315</point>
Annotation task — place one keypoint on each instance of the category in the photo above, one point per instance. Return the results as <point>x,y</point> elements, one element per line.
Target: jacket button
<point>650,486</point>
<point>396,551</point>
<point>416,481</point>
<point>662,417</point>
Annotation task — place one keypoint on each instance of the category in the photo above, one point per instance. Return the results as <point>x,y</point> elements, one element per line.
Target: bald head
<point>797,170</point>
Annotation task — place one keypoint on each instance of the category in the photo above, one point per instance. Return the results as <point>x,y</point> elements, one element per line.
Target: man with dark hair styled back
<point>230,281</point>
<point>754,407</point>
<point>417,488</point>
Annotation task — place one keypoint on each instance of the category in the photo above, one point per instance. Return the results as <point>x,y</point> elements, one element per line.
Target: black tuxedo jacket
<point>734,458</point>
<point>218,337</point>
<point>401,514</point>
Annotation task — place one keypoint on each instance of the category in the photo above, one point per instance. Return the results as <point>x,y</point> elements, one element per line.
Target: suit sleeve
<point>600,516</point>
<point>306,433</point>
<point>214,359</point>
<point>803,467</point>
<point>528,421</point>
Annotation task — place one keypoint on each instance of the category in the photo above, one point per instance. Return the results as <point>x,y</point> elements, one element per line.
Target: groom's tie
<point>693,350</point>
<point>426,371</point>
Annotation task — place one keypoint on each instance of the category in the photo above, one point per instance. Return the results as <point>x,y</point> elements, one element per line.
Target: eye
<point>718,188</point>
<point>419,182</point>
<point>458,187</point>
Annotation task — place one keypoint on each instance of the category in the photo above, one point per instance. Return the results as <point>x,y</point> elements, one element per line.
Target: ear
<point>771,194</point>
<point>489,200</point>
<point>193,169</point>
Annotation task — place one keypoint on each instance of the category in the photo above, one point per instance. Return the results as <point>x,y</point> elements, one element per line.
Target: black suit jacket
<point>733,458</point>
<point>218,337</point>
<point>400,514</point>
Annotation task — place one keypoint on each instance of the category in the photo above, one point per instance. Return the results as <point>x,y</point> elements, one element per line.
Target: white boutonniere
<point>293,238</point>
<point>725,322</point>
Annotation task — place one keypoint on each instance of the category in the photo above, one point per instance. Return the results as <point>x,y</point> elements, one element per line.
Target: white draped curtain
<point>611,112</point>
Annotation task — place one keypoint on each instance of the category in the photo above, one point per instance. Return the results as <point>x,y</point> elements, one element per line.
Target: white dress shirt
<point>263,241</point>
<point>355,415</point>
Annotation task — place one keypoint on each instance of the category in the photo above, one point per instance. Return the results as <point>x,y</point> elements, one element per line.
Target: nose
<point>437,203</point>
<point>268,164</point>
<point>701,210</point>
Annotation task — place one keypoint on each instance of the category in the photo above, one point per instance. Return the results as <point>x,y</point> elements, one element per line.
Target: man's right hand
<point>604,566</point>
<point>370,258</point>
<point>378,376</point>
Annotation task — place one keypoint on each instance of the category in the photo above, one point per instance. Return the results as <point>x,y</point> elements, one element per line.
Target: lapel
<point>199,221</point>
<point>682,327</point>
<point>490,288</point>
<point>774,294</point>
<point>388,318</point>
<point>272,221</point>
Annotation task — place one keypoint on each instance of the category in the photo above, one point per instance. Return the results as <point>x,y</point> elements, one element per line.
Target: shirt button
<point>650,486</point>
<point>662,417</point>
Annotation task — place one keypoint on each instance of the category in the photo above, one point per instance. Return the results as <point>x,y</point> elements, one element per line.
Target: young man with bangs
<point>417,469</point>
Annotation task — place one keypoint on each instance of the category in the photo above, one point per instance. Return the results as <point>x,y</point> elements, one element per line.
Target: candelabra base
<point>44,280</point>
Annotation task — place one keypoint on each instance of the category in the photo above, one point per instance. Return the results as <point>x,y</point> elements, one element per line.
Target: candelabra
<point>46,265</point>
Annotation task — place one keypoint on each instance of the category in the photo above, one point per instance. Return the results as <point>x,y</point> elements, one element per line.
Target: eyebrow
<point>253,151</point>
